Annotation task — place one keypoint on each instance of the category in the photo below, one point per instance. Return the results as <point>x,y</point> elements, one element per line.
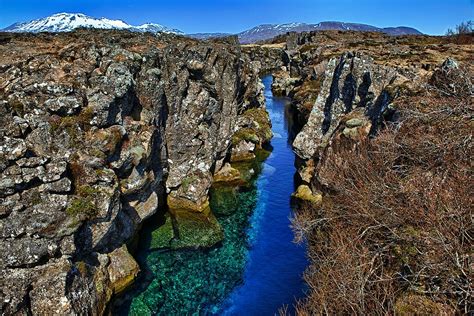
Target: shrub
<point>396,219</point>
<point>463,33</point>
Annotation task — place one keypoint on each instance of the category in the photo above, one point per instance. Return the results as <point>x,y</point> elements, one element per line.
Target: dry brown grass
<point>395,231</point>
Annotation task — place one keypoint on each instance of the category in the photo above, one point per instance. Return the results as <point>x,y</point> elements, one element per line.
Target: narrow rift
<point>274,268</point>
<point>257,269</point>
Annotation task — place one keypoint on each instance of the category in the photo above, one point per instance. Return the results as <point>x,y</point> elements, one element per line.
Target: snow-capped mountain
<point>66,22</point>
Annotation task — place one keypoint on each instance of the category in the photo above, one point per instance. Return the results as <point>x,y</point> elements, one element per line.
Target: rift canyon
<point>293,169</point>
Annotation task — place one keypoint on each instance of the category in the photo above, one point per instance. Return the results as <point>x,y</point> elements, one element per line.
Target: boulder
<point>304,193</point>
<point>227,174</point>
<point>122,270</point>
<point>351,81</point>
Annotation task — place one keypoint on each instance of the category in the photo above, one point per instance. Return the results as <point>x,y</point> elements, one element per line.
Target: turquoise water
<point>256,269</point>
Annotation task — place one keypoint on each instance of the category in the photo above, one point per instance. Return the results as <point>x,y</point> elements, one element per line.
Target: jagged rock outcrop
<point>268,57</point>
<point>97,127</point>
<point>351,81</point>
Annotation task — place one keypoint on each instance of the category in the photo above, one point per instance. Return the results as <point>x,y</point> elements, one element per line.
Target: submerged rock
<point>195,230</point>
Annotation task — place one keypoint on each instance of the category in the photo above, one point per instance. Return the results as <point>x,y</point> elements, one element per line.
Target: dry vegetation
<point>394,234</point>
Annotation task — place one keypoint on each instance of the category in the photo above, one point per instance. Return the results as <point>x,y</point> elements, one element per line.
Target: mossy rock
<point>162,236</point>
<point>196,230</point>
<point>122,270</point>
<point>224,200</point>
<point>182,203</point>
<point>304,193</point>
<point>250,168</point>
<point>242,156</point>
<point>82,207</point>
<point>263,131</point>
<point>355,122</point>
<point>247,134</point>
<point>84,204</point>
<point>261,116</point>
<point>228,175</point>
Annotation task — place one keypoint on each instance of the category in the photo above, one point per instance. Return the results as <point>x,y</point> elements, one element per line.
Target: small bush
<point>462,34</point>
<point>396,219</point>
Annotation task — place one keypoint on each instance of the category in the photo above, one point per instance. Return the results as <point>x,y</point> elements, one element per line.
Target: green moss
<point>246,134</point>
<point>84,204</point>
<point>96,152</point>
<point>73,126</point>
<point>87,191</point>
<point>83,207</point>
<point>162,236</point>
<point>258,135</point>
<point>196,230</point>
<point>224,200</point>
<point>188,181</point>
<point>259,115</point>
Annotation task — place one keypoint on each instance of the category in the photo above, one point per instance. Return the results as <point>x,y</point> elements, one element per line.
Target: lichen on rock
<point>98,132</point>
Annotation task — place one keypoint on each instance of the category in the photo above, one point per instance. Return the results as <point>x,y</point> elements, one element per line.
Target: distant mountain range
<point>66,22</point>
<point>268,31</point>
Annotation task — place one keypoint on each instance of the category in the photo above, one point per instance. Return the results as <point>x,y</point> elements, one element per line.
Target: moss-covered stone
<point>258,132</point>
<point>196,230</point>
<point>162,236</point>
<point>264,127</point>
<point>228,175</point>
<point>304,193</point>
<point>188,181</point>
<point>247,134</point>
<point>82,207</point>
<point>224,200</point>
<point>123,269</point>
<point>354,122</point>
<point>175,202</point>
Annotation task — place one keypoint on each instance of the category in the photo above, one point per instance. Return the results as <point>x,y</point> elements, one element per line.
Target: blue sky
<point>432,17</point>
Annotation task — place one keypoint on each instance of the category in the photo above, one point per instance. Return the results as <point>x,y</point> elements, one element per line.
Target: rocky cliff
<point>385,199</point>
<point>99,132</point>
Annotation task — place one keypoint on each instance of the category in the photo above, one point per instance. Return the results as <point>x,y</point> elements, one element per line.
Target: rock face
<point>96,128</point>
<point>351,81</point>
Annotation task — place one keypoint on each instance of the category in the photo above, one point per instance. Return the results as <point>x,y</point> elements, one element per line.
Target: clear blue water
<point>273,273</point>
<point>256,269</point>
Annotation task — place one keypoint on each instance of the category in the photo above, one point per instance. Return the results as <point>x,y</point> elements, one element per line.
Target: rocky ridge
<point>98,128</point>
<point>368,115</point>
